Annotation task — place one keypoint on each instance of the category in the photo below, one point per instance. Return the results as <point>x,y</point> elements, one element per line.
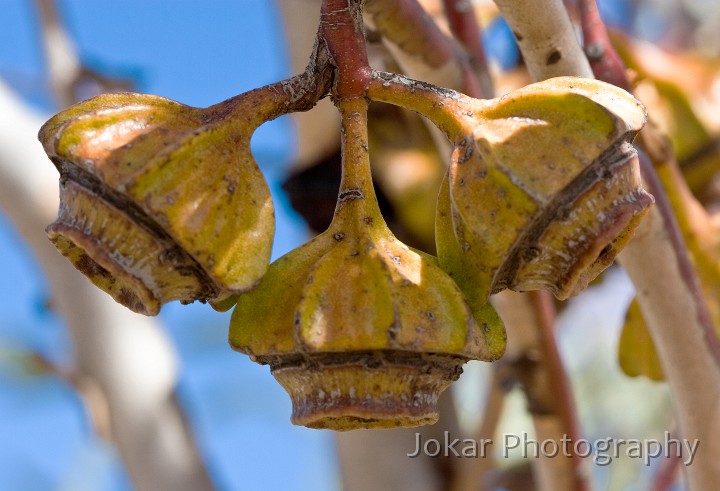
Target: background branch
<point>667,289</point>
<point>535,362</point>
<point>417,44</point>
<point>464,26</point>
<point>127,355</point>
<point>546,38</point>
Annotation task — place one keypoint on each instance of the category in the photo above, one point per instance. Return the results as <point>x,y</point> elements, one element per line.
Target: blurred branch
<point>418,45</point>
<point>470,474</point>
<point>63,63</point>
<point>516,478</point>
<point>92,396</point>
<point>70,80</point>
<point>126,355</point>
<point>669,296</point>
<point>666,473</point>
<point>656,261</point>
<point>535,362</point>
<point>378,459</point>
<point>661,255</point>
<point>147,423</point>
<point>464,26</point>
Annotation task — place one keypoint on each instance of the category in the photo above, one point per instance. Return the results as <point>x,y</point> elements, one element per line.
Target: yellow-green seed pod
<point>160,201</point>
<point>544,188</point>
<point>362,331</point>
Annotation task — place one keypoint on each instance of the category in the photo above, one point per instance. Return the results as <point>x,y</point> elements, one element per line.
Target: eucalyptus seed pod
<point>161,201</point>
<point>544,188</point>
<point>362,331</point>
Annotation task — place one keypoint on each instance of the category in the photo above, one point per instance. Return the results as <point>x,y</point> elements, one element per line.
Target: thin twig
<point>464,26</point>
<point>63,63</point>
<point>92,396</point>
<point>667,473</point>
<point>469,474</point>
<point>604,60</point>
<point>535,360</point>
<point>421,49</point>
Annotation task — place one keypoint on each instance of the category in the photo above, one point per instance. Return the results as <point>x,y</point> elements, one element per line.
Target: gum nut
<point>370,331</point>
<point>160,201</point>
<point>546,188</point>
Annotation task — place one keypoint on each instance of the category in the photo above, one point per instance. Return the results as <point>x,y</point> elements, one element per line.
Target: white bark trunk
<point>676,315</point>
<point>127,355</point>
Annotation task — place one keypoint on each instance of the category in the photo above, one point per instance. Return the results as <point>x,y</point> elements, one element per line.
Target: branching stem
<point>443,107</point>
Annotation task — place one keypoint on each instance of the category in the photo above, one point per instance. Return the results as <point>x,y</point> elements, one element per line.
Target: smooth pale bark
<point>546,38</point>
<point>676,321</point>
<point>126,355</point>
<point>656,261</point>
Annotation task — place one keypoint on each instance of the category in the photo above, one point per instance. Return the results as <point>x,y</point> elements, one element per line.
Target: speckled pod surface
<point>543,189</point>
<point>361,330</point>
<point>160,201</point>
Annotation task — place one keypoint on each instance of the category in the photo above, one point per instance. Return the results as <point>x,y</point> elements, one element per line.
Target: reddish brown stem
<point>604,60</point>
<point>470,474</point>
<point>565,403</point>
<point>666,474</point>
<point>341,26</point>
<point>464,27</point>
<point>533,358</point>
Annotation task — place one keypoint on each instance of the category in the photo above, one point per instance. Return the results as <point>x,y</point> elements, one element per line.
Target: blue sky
<point>198,53</point>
